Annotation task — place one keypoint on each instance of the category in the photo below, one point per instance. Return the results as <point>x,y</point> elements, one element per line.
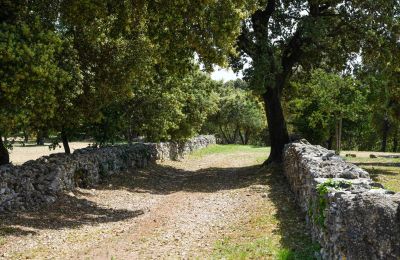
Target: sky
<point>224,74</point>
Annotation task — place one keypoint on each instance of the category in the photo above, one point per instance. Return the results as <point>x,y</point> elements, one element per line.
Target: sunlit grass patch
<point>276,229</point>
<point>229,149</point>
<point>383,170</point>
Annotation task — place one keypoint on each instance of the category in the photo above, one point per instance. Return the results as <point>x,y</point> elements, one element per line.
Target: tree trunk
<point>246,136</point>
<point>395,140</point>
<point>65,142</point>
<point>223,134</point>
<point>40,138</point>
<point>4,156</point>
<point>339,136</point>
<point>330,141</point>
<point>26,138</point>
<point>276,125</point>
<point>385,133</point>
<point>241,137</point>
<point>235,135</point>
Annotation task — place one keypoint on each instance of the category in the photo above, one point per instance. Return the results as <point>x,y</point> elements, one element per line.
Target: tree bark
<point>4,156</point>
<point>276,125</point>
<point>64,139</point>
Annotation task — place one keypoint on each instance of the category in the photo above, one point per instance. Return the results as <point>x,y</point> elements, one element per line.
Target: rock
<point>39,181</point>
<point>361,219</point>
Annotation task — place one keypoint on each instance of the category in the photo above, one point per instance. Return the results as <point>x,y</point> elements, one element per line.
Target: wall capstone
<point>351,216</point>
<point>40,181</point>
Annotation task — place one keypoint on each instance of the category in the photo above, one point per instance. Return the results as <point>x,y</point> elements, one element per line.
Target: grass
<point>383,170</point>
<point>229,149</point>
<point>276,229</point>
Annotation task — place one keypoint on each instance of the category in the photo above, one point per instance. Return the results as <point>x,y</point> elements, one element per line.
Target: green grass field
<point>383,170</point>
<point>230,148</point>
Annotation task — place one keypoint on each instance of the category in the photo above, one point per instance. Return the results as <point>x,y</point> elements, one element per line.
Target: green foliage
<point>240,115</point>
<point>30,74</point>
<point>322,202</point>
<point>66,66</point>
<point>169,108</point>
<point>324,99</point>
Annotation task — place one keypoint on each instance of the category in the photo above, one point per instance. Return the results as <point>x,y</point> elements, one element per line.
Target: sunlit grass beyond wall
<point>261,153</point>
<point>383,170</point>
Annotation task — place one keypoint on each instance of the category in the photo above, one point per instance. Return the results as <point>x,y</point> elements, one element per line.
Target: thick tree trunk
<point>65,142</point>
<point>4,156</point>
<point>276,125</point>
<point>385,133</point>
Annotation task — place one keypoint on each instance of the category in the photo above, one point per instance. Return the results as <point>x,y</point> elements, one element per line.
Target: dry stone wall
<point>351,216</point>
<point>40,181</point>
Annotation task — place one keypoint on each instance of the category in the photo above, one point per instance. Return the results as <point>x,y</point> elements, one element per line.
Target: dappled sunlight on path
<point>170,210</point>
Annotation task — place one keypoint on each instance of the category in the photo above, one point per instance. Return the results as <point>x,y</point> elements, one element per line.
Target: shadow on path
<point>72,212</point>
<point>67,212</point>
<point>163,180</point>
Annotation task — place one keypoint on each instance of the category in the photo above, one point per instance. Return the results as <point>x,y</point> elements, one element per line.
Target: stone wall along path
<point>351,216</point>
<point>39,182</point>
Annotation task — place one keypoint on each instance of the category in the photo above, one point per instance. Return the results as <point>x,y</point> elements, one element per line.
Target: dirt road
<point>171,210</point>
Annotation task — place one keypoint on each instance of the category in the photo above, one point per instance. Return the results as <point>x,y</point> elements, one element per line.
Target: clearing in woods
<point>218,203</point>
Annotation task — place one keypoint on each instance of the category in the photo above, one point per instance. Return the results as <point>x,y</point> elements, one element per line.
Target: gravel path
<point>171,210</point>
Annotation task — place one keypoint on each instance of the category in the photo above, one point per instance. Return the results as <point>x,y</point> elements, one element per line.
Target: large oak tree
<point>284,37</point>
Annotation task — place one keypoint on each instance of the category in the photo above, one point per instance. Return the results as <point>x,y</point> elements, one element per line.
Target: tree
<point>90,54</point>
<point>383,81</point>
<point>170,108</point>
<point>29,74</point>
<point>239,116</point>
<point>286,36</point>
<point>324,102</point>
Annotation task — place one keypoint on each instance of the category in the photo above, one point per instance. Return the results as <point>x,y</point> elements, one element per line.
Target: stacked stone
<point>40,181</point>
<point>355,218</point>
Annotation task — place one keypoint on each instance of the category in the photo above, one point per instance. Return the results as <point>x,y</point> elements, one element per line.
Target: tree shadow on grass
<point>295,236</point>
<point>67,212</point>
<point>378,164</point>
<point>377,173</point>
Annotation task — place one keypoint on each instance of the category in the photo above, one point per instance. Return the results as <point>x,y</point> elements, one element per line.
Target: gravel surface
<point>20,154</point>
<point>171,210</point>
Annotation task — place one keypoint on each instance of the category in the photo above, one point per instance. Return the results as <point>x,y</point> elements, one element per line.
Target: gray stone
<point>361,220</point>
<point>40,181</point>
